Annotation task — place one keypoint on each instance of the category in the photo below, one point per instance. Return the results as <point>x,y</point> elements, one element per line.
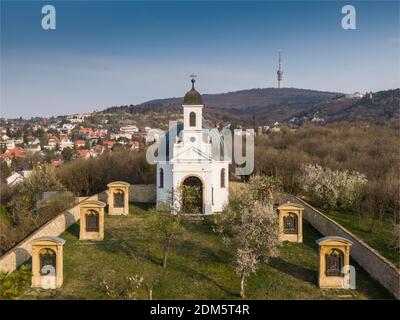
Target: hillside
<point>199,266</point>
<point>382,106</point>
<point>270,104</point>
<point>255,99</point>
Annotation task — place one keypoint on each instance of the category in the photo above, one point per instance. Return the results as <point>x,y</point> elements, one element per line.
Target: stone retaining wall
<point>21,252</point>
<point>370,260</point>
<point>379,268</point>
<point>144,193</point>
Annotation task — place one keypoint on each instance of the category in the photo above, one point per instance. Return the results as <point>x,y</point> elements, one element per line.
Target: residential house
<point>80,143</point>
<point>134,145</point>
<point>109,143</point>
<point>84,153</point>
<point>97,150</point>
<point>17,177</point>
<point>65,142</point>
<point>52,143</point>
<point>116,136</point>
<point>68,126</point>
<point>32,148</point>
<point>129,129</point>
<point>85,131</point>
<point>32,141</point>
<point>7,143</point>
<point>98,133</point>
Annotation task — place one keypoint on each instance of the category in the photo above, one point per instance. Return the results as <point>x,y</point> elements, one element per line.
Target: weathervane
<point>193,77</point>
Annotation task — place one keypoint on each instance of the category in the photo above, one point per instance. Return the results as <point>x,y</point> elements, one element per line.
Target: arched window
<point>192,119</point>
<point>334,263</point>
<point>161,185</point>
<point>290,224</point>
<point>119,200</point>
<point>92,221</point>
<point>223,178</point>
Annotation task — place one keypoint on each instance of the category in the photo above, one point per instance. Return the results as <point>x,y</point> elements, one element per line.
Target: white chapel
<point>190,158</point>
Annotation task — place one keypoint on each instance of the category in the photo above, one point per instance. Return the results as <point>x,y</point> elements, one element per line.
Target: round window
<point>192,139</point>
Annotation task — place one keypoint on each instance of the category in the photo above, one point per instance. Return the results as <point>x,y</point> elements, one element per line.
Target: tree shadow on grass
<point>299,272</point>
<point>71,225</point>
<point>74,230</point>
<point>310,235</point>
<point>132,248</point>
<point>193,250</point>
<point>196,275</point>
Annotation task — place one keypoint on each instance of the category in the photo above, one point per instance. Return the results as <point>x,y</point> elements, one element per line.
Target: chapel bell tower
<point>192,115</point>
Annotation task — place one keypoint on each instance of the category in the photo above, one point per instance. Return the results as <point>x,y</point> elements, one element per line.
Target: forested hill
<point>270,104</point>
<point>376,108</point>
<point>255,99</point>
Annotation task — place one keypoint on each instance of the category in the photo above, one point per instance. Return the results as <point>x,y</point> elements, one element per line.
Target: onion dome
<point>192,96</point>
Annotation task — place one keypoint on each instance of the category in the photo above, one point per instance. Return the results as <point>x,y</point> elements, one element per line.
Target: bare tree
<point>169,227</point>
<point>147,283</point>
<point>115,288</point>
<point>167,218</point>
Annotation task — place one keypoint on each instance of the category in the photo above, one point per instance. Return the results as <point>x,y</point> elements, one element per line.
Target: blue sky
<point>106,53</point>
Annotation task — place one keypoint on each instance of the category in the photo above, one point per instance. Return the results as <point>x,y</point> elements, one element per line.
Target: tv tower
<point>280,71</point>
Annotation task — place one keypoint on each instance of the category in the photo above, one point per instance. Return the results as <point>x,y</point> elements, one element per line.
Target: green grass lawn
<point>380,238</point>
<point>199,266</point>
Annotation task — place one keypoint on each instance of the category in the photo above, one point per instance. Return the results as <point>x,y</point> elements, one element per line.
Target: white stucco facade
<point>191,155</point>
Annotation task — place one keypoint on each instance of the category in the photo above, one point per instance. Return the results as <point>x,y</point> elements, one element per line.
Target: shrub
<point>85,177</point>
<point>13,285</point>
<point>333,188</point>
<point>365,148</point>
<point>22,210</point>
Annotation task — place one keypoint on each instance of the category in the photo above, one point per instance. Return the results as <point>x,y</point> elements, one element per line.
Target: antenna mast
<point>280,71</point>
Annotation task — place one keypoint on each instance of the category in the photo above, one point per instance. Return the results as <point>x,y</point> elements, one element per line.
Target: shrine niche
<point>334,255</point>
<point>47,262</point>
<point>290,217</point>
<point>91,220</point>
<point>118,198</point>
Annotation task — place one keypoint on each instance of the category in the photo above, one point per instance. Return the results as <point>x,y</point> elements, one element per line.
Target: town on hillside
<point>27,143</point>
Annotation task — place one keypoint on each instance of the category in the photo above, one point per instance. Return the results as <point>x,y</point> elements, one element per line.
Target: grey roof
<point>51,238</point>
<point>333,238</point>
<point>96,202</point>
<point>290,204</point>
<point>118,182</point>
